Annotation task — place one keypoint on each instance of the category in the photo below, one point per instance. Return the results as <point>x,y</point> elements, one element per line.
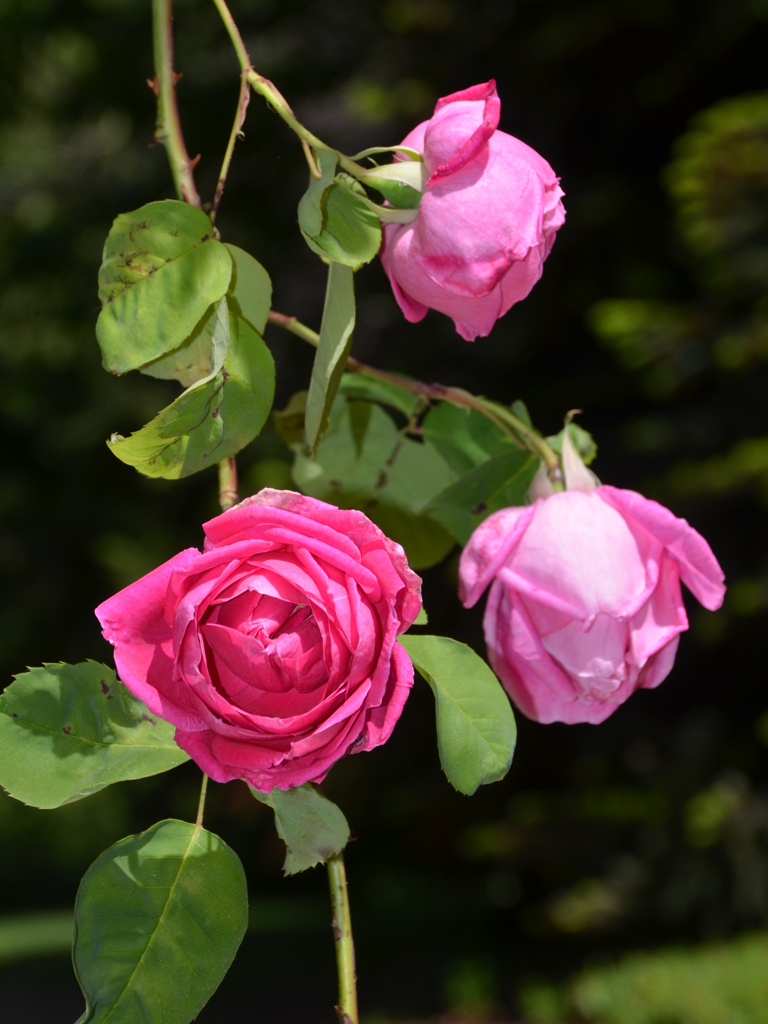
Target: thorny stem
<point>201,801</point>
<point>268,90</point>
<point>314,170</point>
<point>168,127</point>
<point>228,489</point>
<point>235,134</point>
<point>234,34</point>
<point>503,418</point>
<point>342,934</point>
<point>168,131</point>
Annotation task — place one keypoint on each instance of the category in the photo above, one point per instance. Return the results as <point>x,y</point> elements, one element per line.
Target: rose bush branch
<point>201,801</point>
<point>342,934</point>
<point>169,132</point>
<point>277,101</point>
<point>168,128</point>
<point>236,133</point>
<point>517,429</point>
<point>229,491</point>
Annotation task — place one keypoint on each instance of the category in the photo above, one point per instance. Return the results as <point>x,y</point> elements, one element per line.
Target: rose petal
<point>272,650</point>
<point>579,557</point>
<point>381,720</point>
<point>136,614</point>
<point>147,672</point>
<point>659,665</point>
<point>593,659</point>
<point>661,619</point>
<point>540,689</point>
<point>488,549</point>
<point>460,129</point>
<point>698,566</point>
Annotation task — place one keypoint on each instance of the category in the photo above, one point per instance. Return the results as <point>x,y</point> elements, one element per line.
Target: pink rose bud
<point>585,605</point>
<point>273,652</point>
<point>486,222</point>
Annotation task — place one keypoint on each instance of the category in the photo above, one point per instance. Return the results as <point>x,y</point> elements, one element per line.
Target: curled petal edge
<point>481,135</point>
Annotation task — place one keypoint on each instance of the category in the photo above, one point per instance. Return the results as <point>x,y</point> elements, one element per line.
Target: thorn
<point>177,76</point>
<point>154,86</point>
<point>193,163</point>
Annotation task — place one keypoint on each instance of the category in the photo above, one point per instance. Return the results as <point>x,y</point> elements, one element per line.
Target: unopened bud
<point>401,182</point>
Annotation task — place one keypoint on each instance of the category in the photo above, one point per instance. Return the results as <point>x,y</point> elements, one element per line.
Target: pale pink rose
<point>585,605</point>
<point>486,222</point>
<point>273,652</point>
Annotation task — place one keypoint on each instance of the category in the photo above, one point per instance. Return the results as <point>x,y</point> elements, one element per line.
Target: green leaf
<point>215,417</point>
<point>363,462</point>
<point>401,183</point>
<point>464,438</point>
<point>476,729</point>
<point>401,195</point>
<point>159,917</point>
<point>250,291</point>
<point>310,204</point>
<point>497,483</point>
<point>67,731</point>
<point>335,221</point>
<point>413,154</point>
<point>191,361</point>
<point>351,230</point>
<point>425,540</point>
<point>421,619</point>
<point>162,269</point>
<point>249,388</point>
<point>201,356</point>
<point>332,351</point>
<point>289,422</point>
<point>354,385</point>
<point>311,826</point>
<point>520,409</point>
<point>583,442</point>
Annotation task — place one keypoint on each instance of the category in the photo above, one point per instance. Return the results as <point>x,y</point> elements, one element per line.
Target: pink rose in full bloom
<point>273,652</point>
<point>486,222</point>
<point>585,605</point>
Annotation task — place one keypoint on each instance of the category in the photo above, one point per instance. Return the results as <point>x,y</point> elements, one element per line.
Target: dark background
<point>647,830</point>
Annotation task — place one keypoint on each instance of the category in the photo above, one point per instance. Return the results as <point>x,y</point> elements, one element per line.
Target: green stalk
<point>168,127</point>
<point>342,934</point>
<point>271,94</point>
<point>201,801</point>
<point>228,486</point>
<point>168,132</point>
<point>515,428</point>
<point>234,135</point>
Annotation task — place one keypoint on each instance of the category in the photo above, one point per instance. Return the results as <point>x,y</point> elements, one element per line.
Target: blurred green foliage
<point>718,184</point>
<point>705,985</point>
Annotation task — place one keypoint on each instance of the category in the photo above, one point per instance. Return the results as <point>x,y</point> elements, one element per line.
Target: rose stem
<point>265,88</point>
<point>235,134</point>
<point>504,419</point>
<point>168,132</point>
<point>201,801</point>
<point>342,934</point>
<point>168,127</point>
<point>228,490</point>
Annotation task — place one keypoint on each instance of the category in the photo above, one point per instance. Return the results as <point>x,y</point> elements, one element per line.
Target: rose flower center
<point>259,649</point>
